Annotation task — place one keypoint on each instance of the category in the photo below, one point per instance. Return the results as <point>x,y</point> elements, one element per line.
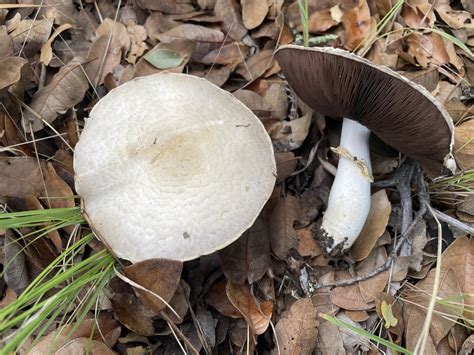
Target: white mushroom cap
<point>171,166</point>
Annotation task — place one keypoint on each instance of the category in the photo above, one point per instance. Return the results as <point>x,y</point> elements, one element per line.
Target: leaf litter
<point>268,291</point>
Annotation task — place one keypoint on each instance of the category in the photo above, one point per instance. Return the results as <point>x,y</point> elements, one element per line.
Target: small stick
<point>453,222</point>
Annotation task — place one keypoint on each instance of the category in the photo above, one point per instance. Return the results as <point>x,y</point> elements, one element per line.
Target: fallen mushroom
<point>171,166</point>
<point>369,98</point>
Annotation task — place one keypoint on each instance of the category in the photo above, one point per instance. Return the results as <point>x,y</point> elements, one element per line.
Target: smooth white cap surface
<point>171,166</point>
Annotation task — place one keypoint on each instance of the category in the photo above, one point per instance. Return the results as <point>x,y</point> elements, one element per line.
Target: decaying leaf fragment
<point>20,177</point>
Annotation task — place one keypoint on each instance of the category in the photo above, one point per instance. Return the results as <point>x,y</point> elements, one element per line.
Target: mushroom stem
<point>349,199</point>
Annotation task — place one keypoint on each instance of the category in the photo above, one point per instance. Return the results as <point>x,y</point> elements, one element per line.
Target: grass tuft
<point>48,298</point>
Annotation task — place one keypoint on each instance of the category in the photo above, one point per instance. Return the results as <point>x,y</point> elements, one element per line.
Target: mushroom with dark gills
<point>171,166</point>
<point>369,98</point>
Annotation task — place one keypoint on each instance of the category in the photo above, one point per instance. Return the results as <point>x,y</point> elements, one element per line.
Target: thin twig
<point>453,222</point>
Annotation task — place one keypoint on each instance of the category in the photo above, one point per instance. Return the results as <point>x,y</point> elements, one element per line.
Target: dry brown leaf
<point>256,65</point>
<point>307,245</point>
<point>158,23</point>
<point>253,101</point>
<point>286,165</point>
<point>380,209</point>
<point>229,12</point>
<point>133,314</point>
<point>87,22</point>
<point>357,24</point>
<point>66,89</point>
<point>20,177</point>
<point>60,11</point>
<point>444,52</point>
<point>217,298</point>
<point>160,276</point>
<point>96,329</point>
<point>83,346</point>
<point>16,273</point>
<point>46,49</point>
<point>467,346</point>
<point>6,44</point>
<point>420,50</point>
<point>289,135</point>
<point>330,340</point>
<point>138,46</point>
<point>253,12</point>
<point>283,236</point>
<point>428,77</point>
<point>166,6</point>
<point>8,297</point>
<point>115,31</point>
<point>418,14</point>
<point>248,258</point>
<point>257,314</point>
<point>10,71</point>
<point>321,21</point>
<point>217,76</point>
<point>453,18</point>
<point>58,194</point>
<point>357,316</point>
<point>179,303</point>
<point>464,144</point>
<point>466,205</point>
<point>371,287</point>
<point>230,54</point>
<point>416,301</point>
<point>207,39</point>
<point>29,35</point>
<point>102,58</point>
<point>456,337</point>
<point>206,324</point>
<point>277,98</point>
<point>459,258</point>
<point>297,330</point>
<point>349,297</point>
